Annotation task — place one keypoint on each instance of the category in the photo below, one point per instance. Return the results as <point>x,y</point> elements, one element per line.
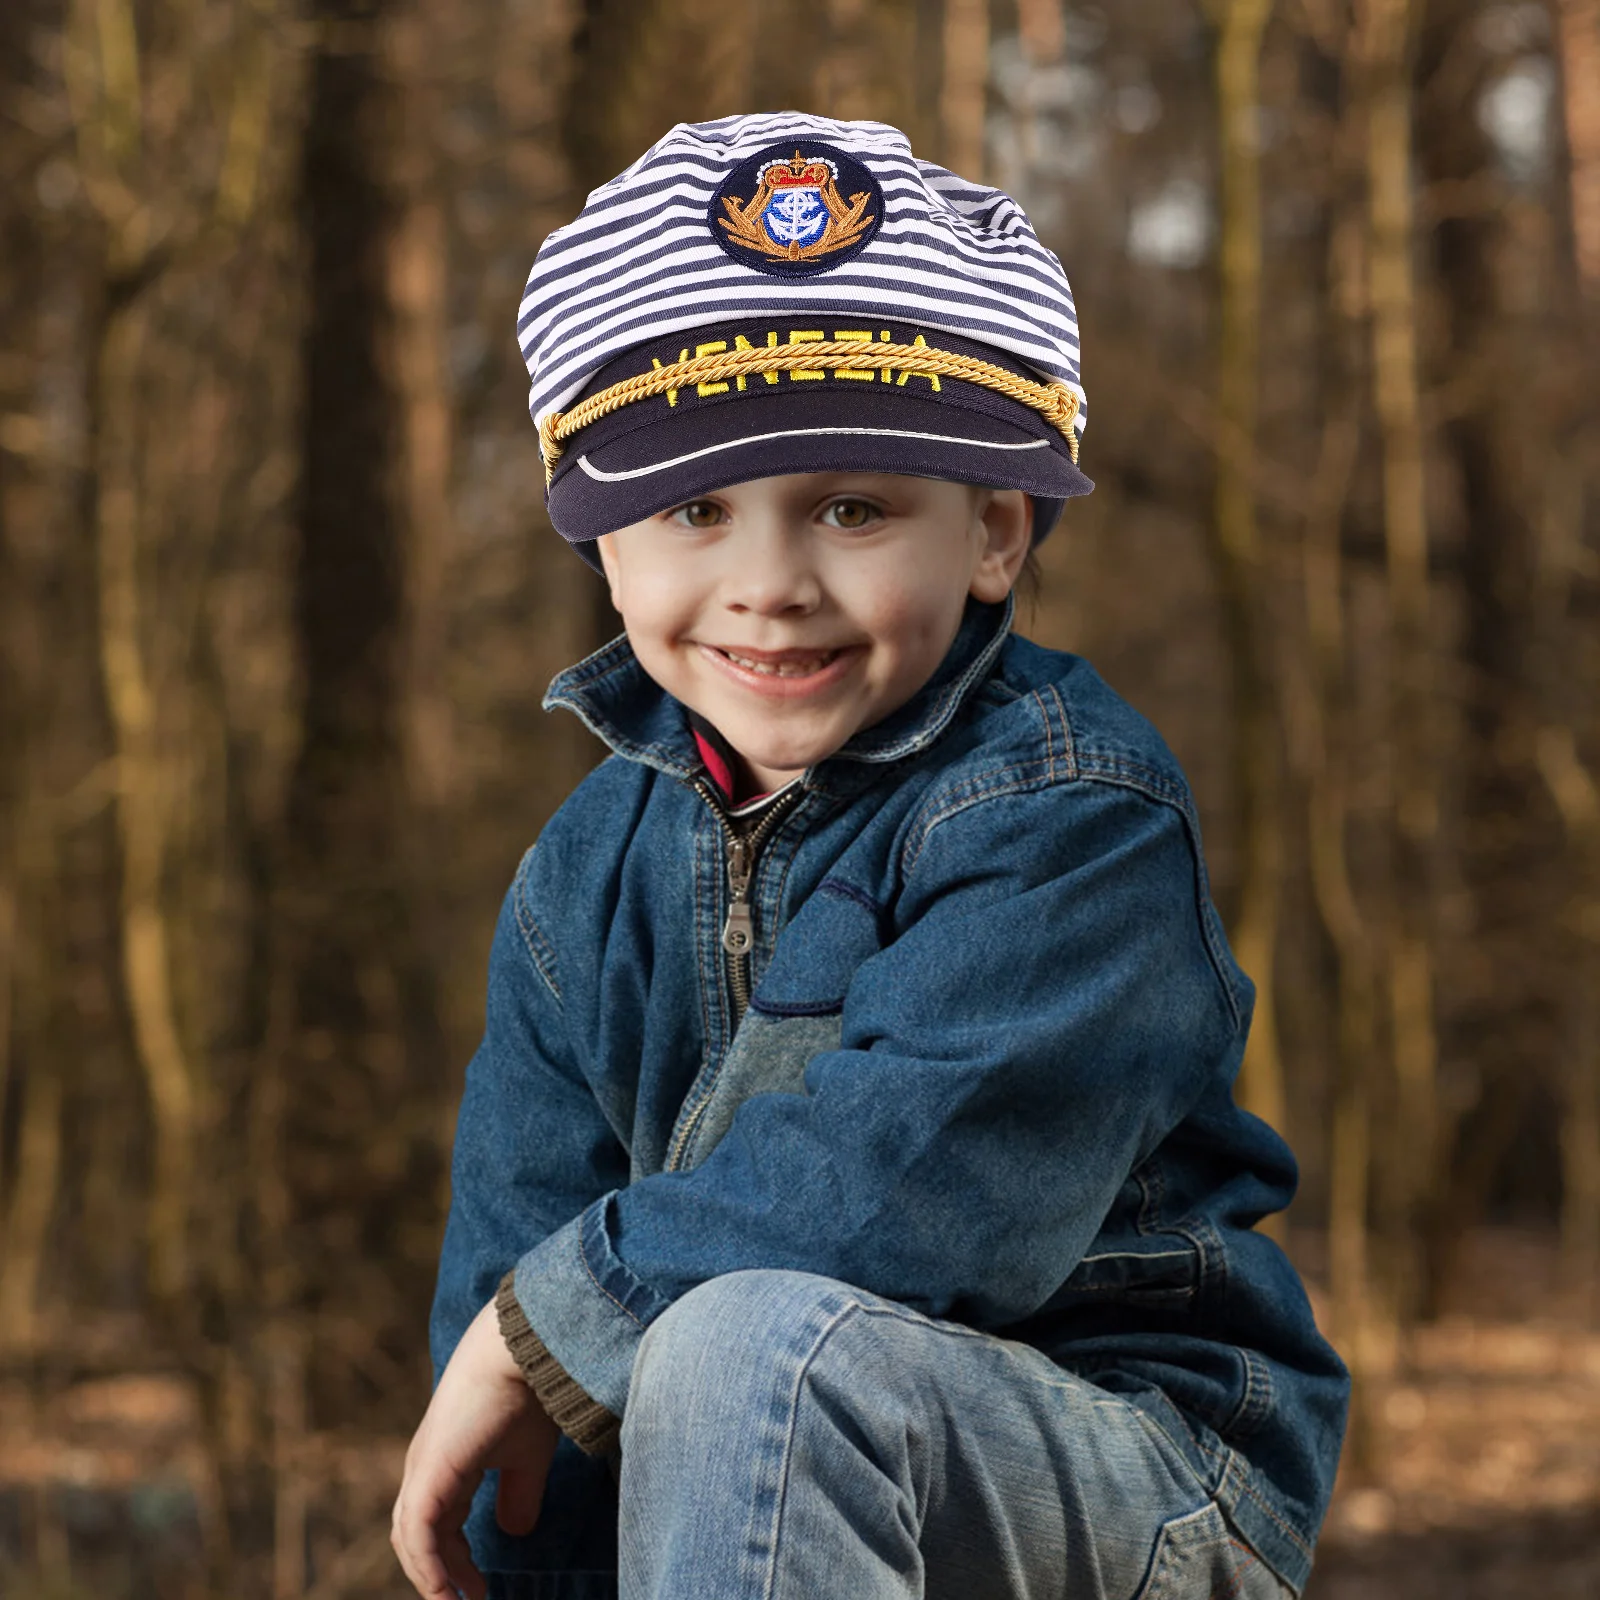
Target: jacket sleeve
<point>1048,998</point>
<point>533,1147</point>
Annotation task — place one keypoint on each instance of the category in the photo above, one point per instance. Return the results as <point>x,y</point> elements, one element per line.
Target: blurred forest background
<point>278,601</point>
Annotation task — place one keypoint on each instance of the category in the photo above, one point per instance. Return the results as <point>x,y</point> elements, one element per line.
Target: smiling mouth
<point>781,663</point>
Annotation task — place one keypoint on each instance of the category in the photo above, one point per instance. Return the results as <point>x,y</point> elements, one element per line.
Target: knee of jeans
<point>726,1337</point>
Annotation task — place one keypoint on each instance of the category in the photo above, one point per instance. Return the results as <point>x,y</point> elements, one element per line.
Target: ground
<point>1488,1486</point>
<point>1490,1489</point>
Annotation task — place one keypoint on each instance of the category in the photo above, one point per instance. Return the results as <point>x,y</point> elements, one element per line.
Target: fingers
<point>433,1551</point>
<point>463,1574</point>
<point>441,1571</point>
<point>516,1506</point>
<point>481,1415</point>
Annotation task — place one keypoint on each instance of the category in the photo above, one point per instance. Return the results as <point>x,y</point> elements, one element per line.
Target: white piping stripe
<point>602,476</point>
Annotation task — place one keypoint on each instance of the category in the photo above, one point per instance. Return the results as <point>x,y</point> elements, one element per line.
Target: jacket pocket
<point>1159,1270</point>
<point>818,953</point>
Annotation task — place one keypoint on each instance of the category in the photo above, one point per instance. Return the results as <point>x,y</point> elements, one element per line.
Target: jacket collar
<point>622,705</point>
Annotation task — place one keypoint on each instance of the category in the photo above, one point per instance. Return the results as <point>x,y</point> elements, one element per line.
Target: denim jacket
<point>978,1059</point>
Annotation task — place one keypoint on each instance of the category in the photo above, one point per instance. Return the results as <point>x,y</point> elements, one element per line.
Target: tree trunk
<point>963,94</point>
<point>1571,681</point>
<point>417,282</point>
<point>1410,1159</point>
<point>26,1230</point>
<point>364,1036</point>
<point>842,85</point>
<point>1577,796</point>
<point>147,789</point>
<point>1358,1320</point>
<point>110,131</point>
<point>1042,25</point>
<point>1502,1026</point>
<point>1331,744</point>
<point>21,269</point>
<point>10,932</point>
<point>1236,548</point>
<point>1579,23</point>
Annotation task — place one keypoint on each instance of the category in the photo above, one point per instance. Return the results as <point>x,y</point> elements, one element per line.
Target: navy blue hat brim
<point>649,456</point>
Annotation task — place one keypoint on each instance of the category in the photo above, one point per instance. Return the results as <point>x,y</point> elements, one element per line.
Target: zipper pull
<point>738,932</point>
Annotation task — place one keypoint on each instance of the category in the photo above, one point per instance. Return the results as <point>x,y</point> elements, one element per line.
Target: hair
<point>1029,582</point>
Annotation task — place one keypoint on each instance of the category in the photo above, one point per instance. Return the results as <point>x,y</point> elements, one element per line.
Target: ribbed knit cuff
<point>585,1421</point>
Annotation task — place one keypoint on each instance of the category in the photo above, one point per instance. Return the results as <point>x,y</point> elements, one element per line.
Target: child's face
<point>791,612</point>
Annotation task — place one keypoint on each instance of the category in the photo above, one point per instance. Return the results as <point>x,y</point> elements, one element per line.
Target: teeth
<point>791,667</point>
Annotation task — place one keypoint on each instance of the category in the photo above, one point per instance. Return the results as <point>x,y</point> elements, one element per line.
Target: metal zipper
<point>741,851</point>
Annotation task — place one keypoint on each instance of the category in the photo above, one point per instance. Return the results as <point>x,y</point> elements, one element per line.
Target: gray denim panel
<point>769,1055</point>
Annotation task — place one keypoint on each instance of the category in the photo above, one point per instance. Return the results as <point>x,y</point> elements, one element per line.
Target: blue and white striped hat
<point>788,293</point>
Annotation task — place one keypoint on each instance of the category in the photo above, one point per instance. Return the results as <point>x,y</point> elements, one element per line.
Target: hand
<point>482,1415</point>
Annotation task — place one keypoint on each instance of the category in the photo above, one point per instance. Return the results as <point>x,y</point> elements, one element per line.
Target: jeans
<point>789,1437</point>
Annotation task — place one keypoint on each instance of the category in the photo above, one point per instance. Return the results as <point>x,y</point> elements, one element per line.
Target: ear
<point>1006,519</point>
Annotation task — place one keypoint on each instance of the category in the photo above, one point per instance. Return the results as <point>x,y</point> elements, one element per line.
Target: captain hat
<point>784,293</point>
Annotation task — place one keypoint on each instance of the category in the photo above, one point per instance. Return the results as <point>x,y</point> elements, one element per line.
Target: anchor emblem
<point>797,213</point>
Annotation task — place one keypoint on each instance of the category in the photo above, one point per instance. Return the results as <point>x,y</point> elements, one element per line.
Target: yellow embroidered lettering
<point>806,336</point>
<point>1055,401</point>
<point>847,336</point>
<point>888,376</point>
<point>672,394</point>
<point>932,377</point>
<point>714,348</point>
<point>742,343</point>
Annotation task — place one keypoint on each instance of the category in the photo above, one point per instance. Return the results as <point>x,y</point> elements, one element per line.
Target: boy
<point>849,1197</point>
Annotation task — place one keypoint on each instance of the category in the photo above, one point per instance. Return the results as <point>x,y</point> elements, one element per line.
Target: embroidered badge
<point>796,209</point>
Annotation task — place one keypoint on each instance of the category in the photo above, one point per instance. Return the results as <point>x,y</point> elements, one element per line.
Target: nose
<point>770,571</point>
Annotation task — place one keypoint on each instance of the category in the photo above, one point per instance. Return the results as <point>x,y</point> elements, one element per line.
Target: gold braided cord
<point>1057,403</point>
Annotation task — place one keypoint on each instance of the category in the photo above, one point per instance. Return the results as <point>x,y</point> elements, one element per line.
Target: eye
<point>697,514</point>
<point>851,514</point>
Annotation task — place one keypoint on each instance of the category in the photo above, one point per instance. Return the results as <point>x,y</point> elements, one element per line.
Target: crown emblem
<point>796,213</point>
